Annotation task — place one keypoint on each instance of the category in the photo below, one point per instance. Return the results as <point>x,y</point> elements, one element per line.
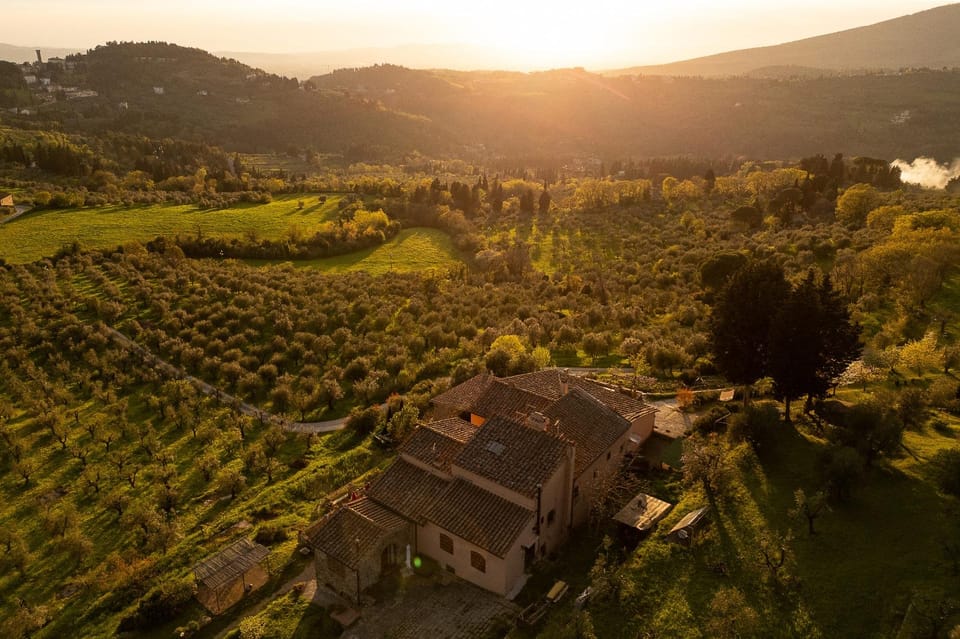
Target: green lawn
<point>41,233</point>
<point>418,249</point>
<point>875,567</point>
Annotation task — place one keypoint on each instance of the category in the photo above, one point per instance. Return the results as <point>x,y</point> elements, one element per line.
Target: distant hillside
<point>164,90</point>
<point>574,113</point>
<point>926,39</point>
<point>386,112</point>
<point>13,53</point>
<point>416,56</point>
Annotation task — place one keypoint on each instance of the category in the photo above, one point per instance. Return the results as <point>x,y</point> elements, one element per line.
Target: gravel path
<point>222,397</point>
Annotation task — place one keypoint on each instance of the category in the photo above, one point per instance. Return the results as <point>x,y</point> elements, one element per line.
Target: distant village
<point>49,79</point>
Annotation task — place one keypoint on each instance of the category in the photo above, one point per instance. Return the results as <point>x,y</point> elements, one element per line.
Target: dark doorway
<point>529,555</point>
<point>389,558</point>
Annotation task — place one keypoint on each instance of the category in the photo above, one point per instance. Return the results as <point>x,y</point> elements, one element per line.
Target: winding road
<point>222,397</point>
<point>19,210</point>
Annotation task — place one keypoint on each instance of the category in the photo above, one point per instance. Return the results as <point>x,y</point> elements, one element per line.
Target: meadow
<point>412,250</point>
<point>42,233</point>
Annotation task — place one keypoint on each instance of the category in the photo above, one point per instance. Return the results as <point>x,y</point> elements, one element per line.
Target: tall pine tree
<point>741,321</point>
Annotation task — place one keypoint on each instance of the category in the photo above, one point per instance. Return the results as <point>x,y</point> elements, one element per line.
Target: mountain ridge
<point>923,39</point>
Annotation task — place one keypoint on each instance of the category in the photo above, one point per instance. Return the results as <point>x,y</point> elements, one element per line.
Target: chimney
<point>538,421</point>
<point>39,59</point>
<point>564,381</point>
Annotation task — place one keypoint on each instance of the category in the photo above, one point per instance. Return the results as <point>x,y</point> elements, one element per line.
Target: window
<point>608,455</point>
<point>446,544</point>
<point>551,516</point>
<point>576,491</point>
<point>478,561</point>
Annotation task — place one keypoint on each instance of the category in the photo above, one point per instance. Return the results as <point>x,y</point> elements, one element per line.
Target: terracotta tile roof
<point>454,428</point>
<point>462,396</point>
<point>350,532</point>
<point>503,400</point>
<point>591,426</point>
<point>480,517</point>
<point>548,384</point>
<point>407,489</point>
<point>545,383</point>
<point>512,455</point>
<point>433,446</point>
<point>226,566</point>
<point>627,407</point>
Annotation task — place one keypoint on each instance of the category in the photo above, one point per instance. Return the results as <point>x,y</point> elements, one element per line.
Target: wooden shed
<point>224,578</point>
<point>640,515</point>
<point>686,529</point>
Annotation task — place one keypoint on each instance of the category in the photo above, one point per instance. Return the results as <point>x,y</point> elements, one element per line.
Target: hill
<point>925,39</point>
<point>386,112</point>
<point>164,90</point>
<point>417,56</point>
<point>572,113</point>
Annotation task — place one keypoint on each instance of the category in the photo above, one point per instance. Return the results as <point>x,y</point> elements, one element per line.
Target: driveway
<point>425,609</point>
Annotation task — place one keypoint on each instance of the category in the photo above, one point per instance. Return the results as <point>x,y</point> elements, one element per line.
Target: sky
<point>514,34</point>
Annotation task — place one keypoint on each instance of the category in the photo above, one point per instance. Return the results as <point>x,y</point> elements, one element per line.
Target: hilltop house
<point>497,482</point>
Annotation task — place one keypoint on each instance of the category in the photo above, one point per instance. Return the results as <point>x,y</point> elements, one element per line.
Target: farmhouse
<point>496,482</point>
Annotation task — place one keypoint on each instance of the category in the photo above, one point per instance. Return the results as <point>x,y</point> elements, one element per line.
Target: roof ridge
<point>360,514</point>
<point>598,402</point>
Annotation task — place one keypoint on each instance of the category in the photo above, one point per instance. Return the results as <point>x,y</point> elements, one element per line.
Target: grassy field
<point>419,249</point>
<point>875,567</point>
<point>41,233</point>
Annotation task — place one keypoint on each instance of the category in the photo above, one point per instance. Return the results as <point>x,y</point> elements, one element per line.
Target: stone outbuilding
<point>355,545</point>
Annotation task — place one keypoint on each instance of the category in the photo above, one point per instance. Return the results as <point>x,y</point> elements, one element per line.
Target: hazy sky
<point>591,33</point>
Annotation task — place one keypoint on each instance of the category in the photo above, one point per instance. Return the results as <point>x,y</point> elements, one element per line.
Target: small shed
<point>355,545</point>
<point>224,578</point>
<point>6,199</point>
<point>640,515</point>
<point>686,529</point>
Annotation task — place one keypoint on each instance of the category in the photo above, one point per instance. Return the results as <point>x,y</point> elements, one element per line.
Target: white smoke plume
<point>927,173</point>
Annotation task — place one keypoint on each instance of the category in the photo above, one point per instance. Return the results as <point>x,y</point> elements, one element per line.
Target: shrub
<point>271,534</point>
<point>757,424</point>
<point>365,421</point>
<point>160,605</point>
<point>842,468</point>
<point>946,470</point>
<point>708,422</point>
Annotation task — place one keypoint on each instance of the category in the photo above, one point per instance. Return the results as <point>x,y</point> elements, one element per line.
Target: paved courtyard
<point>425,609</point>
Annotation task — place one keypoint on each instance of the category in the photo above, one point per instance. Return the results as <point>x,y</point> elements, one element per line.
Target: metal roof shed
<point>226,576</point>
<point>640,515</point>
<point>685,529</point>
